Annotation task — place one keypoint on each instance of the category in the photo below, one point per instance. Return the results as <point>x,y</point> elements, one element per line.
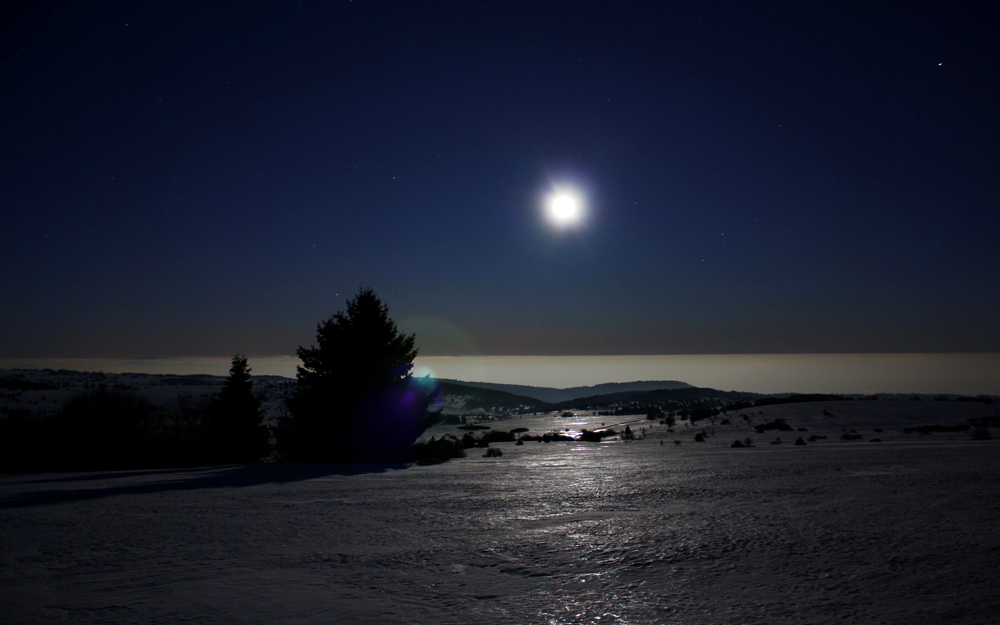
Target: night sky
<point>205,178</point>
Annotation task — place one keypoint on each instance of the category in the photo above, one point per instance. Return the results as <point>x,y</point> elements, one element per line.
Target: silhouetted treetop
<point>361,345</point>
<point>354,400</point>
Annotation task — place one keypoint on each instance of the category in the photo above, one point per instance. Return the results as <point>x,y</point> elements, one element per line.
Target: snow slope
<point>641,532</point>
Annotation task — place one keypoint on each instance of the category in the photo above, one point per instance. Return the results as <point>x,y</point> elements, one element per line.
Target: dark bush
<point>698,414</point>
<point>445,448</point>
<point>104,429</point>
<point>183,427</point>
<point>548,437</point>
<point>496,436</point>
<point>777,424</point>
<point>25,441</point>
<point>981,434</point>
<point>596,436</point>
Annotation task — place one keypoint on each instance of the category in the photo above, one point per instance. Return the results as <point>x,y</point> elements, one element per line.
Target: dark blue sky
<point>193,178</point>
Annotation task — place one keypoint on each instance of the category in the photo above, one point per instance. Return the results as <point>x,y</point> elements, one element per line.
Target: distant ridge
<point>557,395</point>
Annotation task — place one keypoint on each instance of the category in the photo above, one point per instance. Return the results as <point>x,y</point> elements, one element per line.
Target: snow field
<point>896,532</point>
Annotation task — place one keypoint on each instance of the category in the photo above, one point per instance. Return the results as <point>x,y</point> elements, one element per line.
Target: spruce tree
<point>236,430</point>
<point>354,401</point>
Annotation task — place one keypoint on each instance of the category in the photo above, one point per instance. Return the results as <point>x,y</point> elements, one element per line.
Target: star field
<point>192,179</point>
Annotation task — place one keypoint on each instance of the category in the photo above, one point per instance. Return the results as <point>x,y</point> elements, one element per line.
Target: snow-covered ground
<point>903,531</point>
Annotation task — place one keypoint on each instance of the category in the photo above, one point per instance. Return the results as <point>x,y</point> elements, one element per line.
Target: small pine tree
<point>236,430</point>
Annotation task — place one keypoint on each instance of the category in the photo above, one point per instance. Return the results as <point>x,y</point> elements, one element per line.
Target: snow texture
<point>900,531</point>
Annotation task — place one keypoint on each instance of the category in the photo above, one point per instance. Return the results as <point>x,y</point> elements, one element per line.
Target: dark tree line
<point>102,429</point>
<point>355,401</point>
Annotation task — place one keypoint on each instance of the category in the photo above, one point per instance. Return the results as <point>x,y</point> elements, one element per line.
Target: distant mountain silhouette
<point>687,393</point>
<point>475,396</point>
<point>557,395</point>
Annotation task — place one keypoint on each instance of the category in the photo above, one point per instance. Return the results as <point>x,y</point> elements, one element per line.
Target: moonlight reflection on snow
<point>563,532</point>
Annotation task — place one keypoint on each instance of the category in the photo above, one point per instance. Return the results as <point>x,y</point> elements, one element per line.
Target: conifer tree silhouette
<point>236,431</point>
<point>354,400</point>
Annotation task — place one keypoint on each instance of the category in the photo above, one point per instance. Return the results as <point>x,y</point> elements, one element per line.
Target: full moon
<point>564,209</point>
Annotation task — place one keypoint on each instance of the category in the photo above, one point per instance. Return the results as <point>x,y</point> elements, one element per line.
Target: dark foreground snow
<point>898,532</point>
